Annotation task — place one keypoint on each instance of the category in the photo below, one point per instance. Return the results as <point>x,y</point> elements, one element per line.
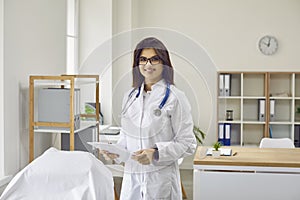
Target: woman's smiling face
<point>152,70</point>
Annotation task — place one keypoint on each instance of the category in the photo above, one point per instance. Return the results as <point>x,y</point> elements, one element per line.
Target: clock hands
<point>269,42</point>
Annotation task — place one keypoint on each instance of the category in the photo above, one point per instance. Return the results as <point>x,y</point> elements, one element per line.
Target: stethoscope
<point>157,111</point>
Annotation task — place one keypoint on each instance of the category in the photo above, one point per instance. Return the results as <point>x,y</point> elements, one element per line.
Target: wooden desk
<point>253,173</point>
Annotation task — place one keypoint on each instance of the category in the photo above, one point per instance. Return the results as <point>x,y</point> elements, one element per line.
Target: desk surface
<point>251,157</point>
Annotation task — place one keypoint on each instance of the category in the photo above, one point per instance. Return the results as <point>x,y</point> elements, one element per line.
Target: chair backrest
<point>276,143</point>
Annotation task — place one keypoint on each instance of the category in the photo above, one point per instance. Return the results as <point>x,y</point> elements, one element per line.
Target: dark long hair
<point>163,54</point>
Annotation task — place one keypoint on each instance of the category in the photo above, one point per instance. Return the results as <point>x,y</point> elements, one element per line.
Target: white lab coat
<point>171,132</point>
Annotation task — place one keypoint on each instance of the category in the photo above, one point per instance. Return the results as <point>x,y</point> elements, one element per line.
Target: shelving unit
<point>247,89</point>
<point>61,82</point>
<point>282,91</point>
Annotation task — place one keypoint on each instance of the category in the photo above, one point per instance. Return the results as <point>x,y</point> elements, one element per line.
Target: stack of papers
<point>224,152</point>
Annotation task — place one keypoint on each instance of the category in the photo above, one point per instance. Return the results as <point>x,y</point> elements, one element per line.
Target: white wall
<point>34,43</point>
<point>121,54</point>
<point>229,31</point>
<point>95,32</point>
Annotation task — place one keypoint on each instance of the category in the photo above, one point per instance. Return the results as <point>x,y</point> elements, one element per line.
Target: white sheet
<point>67,175</point>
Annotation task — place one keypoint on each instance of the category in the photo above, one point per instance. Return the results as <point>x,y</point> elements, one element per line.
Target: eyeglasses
<point>153,60</point>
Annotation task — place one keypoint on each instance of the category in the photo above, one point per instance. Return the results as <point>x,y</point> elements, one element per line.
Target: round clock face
<point>268,45</point>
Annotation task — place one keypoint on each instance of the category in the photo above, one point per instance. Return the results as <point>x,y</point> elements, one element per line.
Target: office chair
<point>276,143</point>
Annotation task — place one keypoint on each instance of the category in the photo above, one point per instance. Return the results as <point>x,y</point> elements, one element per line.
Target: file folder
<point>221,133</point>
<point>270,132</point>
<point>227,130</point>
<point>261,110</point>
<point>297,136</point>
<point>221,85</point>
<point>227,78</point>
<point>272,109</point>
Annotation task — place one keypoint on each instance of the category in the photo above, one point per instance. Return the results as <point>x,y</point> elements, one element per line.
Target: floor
<point>186,178</point>
<point>187,181</point>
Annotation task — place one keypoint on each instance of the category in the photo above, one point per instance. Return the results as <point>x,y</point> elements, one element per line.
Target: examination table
<point>68,175</point>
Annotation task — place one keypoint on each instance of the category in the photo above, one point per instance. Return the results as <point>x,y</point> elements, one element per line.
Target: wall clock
<point>268,45</point>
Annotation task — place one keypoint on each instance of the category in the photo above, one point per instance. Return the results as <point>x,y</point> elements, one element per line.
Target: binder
<point>297,136</point>
<point>261,110</point>
<point>227,89</point>
<point>272,109</point>
<point>221,85</point>
<point>270,131</point>
<point>221,133</point>
<point>227,130</point>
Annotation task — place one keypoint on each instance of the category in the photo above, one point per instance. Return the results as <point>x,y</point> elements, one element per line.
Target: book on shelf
<point>221,133</point>
<point>221,85</point>
<point>224,134</point>
<point>224,84</point>
<point>261,109</point>
<point>297,136</point>
<point>227,84</point>
<point>227,134</point>
<point>272,109</point>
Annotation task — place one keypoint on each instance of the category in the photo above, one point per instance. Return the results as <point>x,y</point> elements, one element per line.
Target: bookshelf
<point>280,92</point>
<point>60,81</point>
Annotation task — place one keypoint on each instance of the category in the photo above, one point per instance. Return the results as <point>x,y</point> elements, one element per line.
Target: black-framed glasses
<point>153,60</point>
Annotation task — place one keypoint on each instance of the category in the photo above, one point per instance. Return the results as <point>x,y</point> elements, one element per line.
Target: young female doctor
<point>156,125</point>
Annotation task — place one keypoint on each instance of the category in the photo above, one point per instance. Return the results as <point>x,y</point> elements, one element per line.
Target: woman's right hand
<point>108,156</point>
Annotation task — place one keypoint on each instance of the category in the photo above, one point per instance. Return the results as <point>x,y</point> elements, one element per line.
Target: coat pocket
<point>159,183</point>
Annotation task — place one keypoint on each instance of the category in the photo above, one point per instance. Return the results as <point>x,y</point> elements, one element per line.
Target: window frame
<point>2,89</point>
<point>72,58</point>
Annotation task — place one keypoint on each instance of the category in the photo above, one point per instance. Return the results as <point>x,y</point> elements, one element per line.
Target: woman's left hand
<point>144,156</point>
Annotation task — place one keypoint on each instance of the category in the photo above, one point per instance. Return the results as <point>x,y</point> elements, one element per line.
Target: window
<point>72,37</point>
<point>1,93</point>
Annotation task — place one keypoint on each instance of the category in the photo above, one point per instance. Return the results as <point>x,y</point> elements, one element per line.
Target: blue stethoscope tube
<point>157,112</point>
